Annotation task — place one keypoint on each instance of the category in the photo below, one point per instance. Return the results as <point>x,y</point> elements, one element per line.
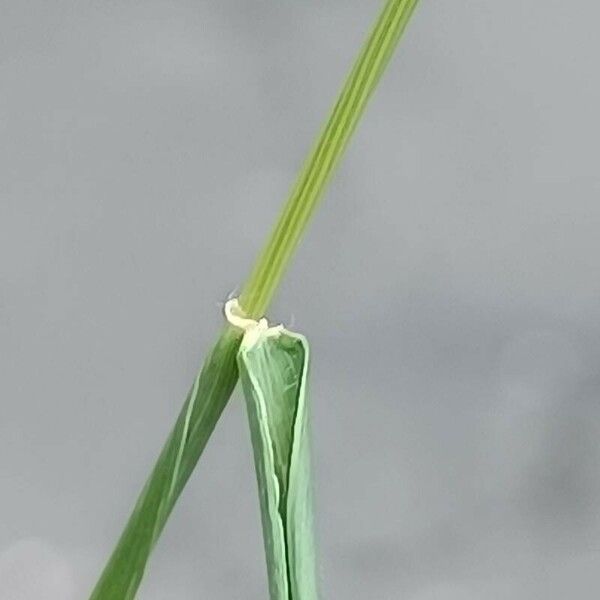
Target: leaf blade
<point>208,396</point>
<point>273,372</point>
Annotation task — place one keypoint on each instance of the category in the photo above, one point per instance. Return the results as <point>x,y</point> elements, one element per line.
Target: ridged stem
<point>321,162</point>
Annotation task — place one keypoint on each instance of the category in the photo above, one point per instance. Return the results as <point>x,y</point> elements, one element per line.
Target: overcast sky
<point>449,285</point>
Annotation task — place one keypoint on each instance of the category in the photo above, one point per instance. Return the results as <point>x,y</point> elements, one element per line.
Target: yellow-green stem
<point>322,161</point>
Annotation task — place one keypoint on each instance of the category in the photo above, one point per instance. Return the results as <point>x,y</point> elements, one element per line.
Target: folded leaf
<point>273,366</point>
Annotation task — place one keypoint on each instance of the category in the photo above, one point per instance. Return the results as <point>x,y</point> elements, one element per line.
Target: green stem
<point>322,161</point>
<point>215,382</point>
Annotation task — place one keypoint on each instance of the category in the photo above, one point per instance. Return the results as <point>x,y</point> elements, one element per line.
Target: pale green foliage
<point>273,372</point>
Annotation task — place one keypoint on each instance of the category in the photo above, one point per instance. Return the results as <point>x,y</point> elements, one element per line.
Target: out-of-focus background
<point>450,285</point>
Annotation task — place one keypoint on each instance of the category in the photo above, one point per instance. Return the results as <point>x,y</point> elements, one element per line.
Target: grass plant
<point>218,376</point>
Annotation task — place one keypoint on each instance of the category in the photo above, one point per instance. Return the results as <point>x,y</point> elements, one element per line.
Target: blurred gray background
<point>450,286</point>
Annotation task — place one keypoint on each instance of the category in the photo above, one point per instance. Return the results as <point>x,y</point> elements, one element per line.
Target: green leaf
<point>205,402</point>
<point>273,367</point>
